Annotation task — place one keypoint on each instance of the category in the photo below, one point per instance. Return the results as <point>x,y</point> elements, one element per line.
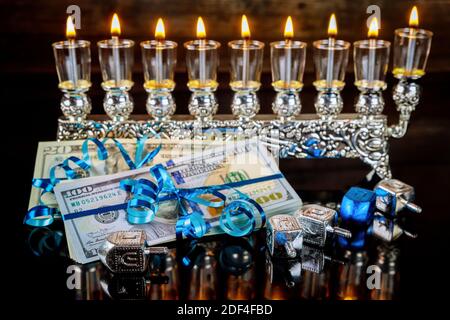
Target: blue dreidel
<point>356,242</point>
<point>358,206</point>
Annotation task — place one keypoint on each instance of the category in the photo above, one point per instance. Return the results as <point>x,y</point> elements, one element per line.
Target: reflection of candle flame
<point>373,28</point>
<point>245,29</point>
<point>70,28</point>
<point>288,29</point>
<point>160,32</point>
<point>332,26</point>
<point>115,26</point>
<point>201,31</point>
<point>414,18</point>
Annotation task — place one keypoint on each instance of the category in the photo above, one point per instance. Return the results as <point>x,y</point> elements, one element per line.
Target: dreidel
<point>393,195</point>
<point>317,223</point>
<point>358,207</point>
<point>127,252</point>
<point>284,236</point>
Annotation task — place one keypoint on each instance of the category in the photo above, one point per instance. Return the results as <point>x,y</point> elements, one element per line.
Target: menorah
<point>364,134</point>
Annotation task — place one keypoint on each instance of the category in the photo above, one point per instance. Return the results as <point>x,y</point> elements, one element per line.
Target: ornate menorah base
<point>306,136</point>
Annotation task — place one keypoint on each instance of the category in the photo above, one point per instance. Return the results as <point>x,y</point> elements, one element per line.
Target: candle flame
<point>414,18</point>
<point>201,31</point>
<point>288,29</point>
<point>160,32</point>
<point>70,28</point>
<point>373,28</point>
<point>332,26</point>
<point>115,26</point>
<point>245,29</point>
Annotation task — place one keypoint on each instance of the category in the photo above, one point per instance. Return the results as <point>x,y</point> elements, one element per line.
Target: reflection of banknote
<point>52,153</point>
<point>214,166</point>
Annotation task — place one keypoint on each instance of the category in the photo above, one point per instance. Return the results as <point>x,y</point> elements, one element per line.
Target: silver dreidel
<point>126,251</point>
<point>387,229</point>
<point>284,236</point>
<point>317,221</point>
<point>393,196</point>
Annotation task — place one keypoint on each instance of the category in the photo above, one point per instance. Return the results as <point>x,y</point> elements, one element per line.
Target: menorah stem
<point>406,94</point>
<point>160,105</point>
<point>118,104</point>
<point>328,102</point>
<point>287,104</point>
<point>75,105</point>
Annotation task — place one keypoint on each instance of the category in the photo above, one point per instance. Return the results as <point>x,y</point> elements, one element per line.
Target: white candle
<point>202,61</point>
<point>245,63</point>
<point>201,36</point>
<point>73,74</point>
<point>115,33</point>
<point>116,60</point>
<point>288,35</point>
<point>288,61</point>
<point>330,61</point>
<point>413,24</point>
<point>159,63</point>
<point>72,68</point>
<point>160,35</point>
<point>245,33</point>
<point>372,34</point>
<point>371,62</point>
<point>411,49</point>
<point>332,32</point>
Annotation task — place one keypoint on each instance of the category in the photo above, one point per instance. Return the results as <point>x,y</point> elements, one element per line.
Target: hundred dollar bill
<point>214,166</point>
<point>52,153</point>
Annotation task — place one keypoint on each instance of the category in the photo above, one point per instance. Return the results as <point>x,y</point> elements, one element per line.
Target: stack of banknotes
<point>190,164</point>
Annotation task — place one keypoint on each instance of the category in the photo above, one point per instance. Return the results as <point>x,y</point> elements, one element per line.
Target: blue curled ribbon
<point>238,218</point>
<point>43,215</point>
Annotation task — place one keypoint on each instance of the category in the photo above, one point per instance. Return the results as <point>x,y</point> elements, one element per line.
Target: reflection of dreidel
<point>317,223</point>
<point>124,286</point>
<point>387,229</point>
<point>281,274</point>
<point>314,259</point>
<point>132,286</point>
<point>393,196</point>
<point>358,240</point>
<point>315,281</point>
<point>284,236</point>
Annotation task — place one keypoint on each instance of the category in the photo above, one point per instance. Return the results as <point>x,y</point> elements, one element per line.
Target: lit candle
<point>70,34</point>
<point>115,33</point>
<point>332,32</point>
<point>372,34</point>
<point>245,34</point>
<point>160,35</point>
<point>288,35</point>
<point>413,24</point>
<point>201,36</point>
